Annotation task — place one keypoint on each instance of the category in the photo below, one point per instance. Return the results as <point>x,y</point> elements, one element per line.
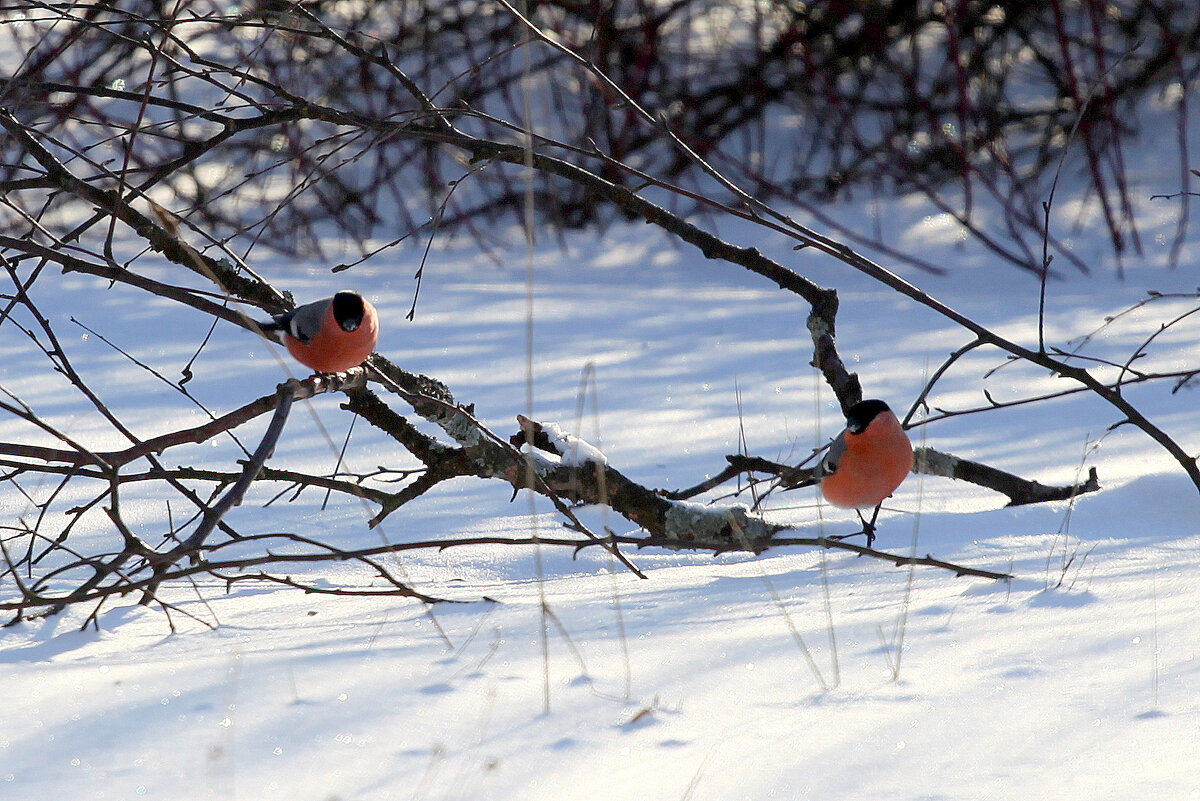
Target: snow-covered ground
<point>798,674</point>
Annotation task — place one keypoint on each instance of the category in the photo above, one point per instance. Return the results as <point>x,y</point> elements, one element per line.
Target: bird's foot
<point>868,531</point>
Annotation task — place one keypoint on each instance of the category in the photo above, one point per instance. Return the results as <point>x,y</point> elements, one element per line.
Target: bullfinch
<point>329,335</point>
<point>868,460</point>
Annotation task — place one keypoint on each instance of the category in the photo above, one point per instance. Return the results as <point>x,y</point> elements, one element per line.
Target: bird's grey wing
<point>833,457</point>
<point>305,321</point>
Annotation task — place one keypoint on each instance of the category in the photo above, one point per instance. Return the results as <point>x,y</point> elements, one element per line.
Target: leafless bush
<point>970,103</point>
<point>132,137</point>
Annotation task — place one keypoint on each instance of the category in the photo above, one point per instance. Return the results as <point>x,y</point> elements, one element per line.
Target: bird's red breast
<point>333,349</point>
<point>873,465</point>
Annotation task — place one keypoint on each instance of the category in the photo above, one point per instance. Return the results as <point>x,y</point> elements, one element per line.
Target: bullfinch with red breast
<point>329,335</point>
<point>867,461</point>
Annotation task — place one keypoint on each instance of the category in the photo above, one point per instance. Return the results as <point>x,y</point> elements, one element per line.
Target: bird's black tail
<point>273,329</point>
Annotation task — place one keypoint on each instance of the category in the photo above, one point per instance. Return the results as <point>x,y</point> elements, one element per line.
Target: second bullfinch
<point>329,335</point>
<point>868,460</point>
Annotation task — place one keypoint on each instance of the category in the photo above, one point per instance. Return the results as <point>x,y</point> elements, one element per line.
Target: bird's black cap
<point>862,413</point>
<point>348,310</point>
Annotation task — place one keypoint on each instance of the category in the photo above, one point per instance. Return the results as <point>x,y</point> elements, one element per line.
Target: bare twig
<point>283,404</point>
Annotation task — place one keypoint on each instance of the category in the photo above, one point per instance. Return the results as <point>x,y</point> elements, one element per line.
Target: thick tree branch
<point>1020,491</point>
